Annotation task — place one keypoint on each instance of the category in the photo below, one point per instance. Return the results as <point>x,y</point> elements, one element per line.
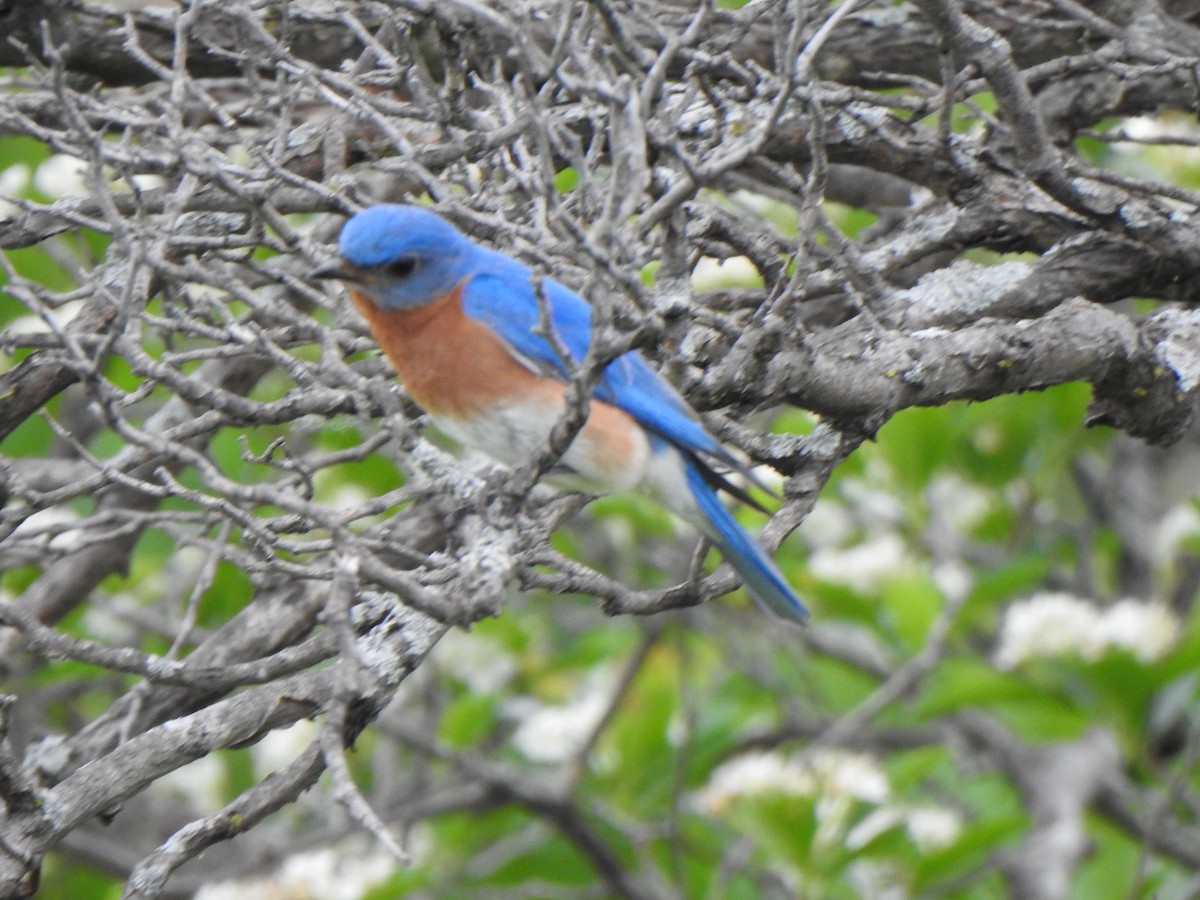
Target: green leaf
<point>962,682</point>
<point>975,844</point>
<point>468,719</point>
<point>911,604</point>
<point>907,769</point>
<point>566,180</point>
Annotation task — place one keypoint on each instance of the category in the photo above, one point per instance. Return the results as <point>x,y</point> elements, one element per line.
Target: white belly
<point>513,433</point>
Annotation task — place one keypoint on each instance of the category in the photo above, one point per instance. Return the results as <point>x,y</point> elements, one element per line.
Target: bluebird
<point>460,323</point>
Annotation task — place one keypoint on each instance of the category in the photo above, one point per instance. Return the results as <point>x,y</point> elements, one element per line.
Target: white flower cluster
<point>280,748</point>
<point>857,541</point>
<point>711,274</point>
<point>201,785</point>
<point>838,780</point>
<point>1058,624</point>
<point>325,874</point>
<point>554,734</point>
<point>482,663</point>
<point>13,181</point>
<point>864,566</point>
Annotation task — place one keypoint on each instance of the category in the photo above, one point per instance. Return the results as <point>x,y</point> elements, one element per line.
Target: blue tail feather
<point>764,582</point>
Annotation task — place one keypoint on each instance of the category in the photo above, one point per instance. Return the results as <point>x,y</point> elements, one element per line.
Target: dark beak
<point>336,270</point>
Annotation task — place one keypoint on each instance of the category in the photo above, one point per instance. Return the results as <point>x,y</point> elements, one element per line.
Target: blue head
<point>402,256</point>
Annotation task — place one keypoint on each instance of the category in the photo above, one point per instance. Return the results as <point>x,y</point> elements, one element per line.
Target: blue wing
<point>764,582</point>
<point>503,297</point>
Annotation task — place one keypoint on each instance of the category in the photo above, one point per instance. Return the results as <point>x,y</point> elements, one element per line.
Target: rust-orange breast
<point>457,368</point>
<point>451,363</point>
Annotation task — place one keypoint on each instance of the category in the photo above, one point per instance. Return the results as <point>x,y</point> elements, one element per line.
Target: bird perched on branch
<point>461,324</point>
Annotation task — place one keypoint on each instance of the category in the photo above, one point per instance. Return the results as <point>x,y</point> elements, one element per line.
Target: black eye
<point>403,267</point>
